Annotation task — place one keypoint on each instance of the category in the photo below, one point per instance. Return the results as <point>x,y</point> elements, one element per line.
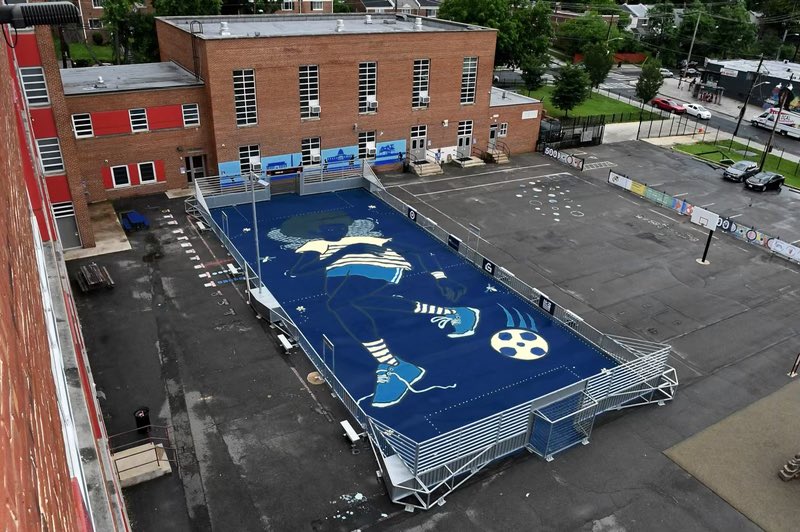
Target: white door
<point>419,135</point>
<point>67,225</point>
<point>464,149</point>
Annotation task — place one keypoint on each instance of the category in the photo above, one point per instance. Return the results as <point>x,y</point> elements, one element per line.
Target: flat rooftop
<point>119,78</point>
<point>252,26</point>
<point>776,69</point>
<point>501,97</point>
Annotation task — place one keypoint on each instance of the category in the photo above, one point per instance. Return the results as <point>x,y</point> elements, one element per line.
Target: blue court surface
<point>423,352</point>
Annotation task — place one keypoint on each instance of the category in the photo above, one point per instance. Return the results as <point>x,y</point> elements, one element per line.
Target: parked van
<point>788,125</point>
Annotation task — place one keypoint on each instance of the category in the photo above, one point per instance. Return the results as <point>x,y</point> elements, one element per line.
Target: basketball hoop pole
<point>708,244</point>
<point>792,374</point>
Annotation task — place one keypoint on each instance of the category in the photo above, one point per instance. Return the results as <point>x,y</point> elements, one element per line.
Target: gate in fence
<point>571,132</point>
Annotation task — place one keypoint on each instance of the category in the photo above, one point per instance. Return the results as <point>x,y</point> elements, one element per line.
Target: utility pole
<point>784,92</point>
<point>691,47</point>
<point>749,93</point>
<point>785,33</point>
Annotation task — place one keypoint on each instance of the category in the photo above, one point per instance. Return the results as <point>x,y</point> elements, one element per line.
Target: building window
<point>309,91</point>
<point>147,172</point>
<point>191,115</point>
<point>120,176</point>
<point>503,129</point>
<point>82,125</point>
<point>95,24</point>
<point>63,210</point>
<point>419,90</point>
<point>245,153</point>
<point>316,6</point>
<point>50,155</point>
<point>97,4</point>
<point>138,119</point>
<point>288,5</point>
<point>244,92</point>
<point>366,144</point>
<point>367,87</point>
<point>34,85</point>
<point>469,74</point>
<point>310,151</point>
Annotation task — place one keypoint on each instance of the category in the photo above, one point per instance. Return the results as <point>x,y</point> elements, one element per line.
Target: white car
<point>666,73</point>
<point>695,109</point>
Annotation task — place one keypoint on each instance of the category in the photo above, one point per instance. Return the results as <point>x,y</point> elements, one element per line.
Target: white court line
<point>681,194</point>
<point>795,242</point>
<point>655,185</point>
<point>735,215</point>
<point>502,171</point>
<point>489,184</point>
<point>662,214</point>
<point>707,205</point>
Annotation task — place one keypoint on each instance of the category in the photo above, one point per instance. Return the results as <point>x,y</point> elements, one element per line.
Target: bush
<point>80,63</point>
<point>98,39</point>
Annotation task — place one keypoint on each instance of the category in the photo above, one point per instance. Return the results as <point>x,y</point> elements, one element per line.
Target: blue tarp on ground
<point>348,266</point>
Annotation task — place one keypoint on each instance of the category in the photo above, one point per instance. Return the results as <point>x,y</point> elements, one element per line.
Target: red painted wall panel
<point>107,181</point>
<point>111,123</point>
<point>133,173</point>
<point>58,188</point>
<point>164,117</point>
<point>43,122</point>
<point>161,174</point>
<point>27,51</point>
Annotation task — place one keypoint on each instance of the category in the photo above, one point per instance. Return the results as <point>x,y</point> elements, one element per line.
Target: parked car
<point>764,180</point>
<point>740,171</point>
<point>668,105</point>
<point>695,109</point>
<point>666,73</point>
<point>692,72</point>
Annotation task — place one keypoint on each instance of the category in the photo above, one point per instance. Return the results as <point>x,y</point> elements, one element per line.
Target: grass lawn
<point>728,150</point>
<point>78,51</point>
<point>596,105</point>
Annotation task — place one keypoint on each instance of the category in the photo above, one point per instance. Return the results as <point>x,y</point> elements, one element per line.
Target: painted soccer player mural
<point>361,269</point>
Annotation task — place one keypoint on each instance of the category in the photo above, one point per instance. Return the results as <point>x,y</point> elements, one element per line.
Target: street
<point>622,81</point>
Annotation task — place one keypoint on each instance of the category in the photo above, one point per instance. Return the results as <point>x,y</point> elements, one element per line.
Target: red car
<point>668,105</point>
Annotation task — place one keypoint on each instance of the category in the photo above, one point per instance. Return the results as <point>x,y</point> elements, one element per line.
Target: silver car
<point>740,171</point>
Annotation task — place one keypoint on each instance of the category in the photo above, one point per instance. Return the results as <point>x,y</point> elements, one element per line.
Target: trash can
<point>142,417</point>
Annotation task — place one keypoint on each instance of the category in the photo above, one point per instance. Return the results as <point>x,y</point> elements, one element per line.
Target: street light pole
<point>749,93</point>
<point>691,47</point>
<point>785,91</point>
<point>253,182</point>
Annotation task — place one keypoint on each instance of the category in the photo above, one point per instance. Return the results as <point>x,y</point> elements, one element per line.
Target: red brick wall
<point>522,134</point>
<point>168,145</point>
<point>35,480</point>
<point>276,61</point>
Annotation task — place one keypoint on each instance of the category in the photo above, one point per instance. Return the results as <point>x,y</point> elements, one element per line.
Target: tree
<point>649,81</point>
<point>705,29</point>
<point>597,62</point>
<point>571,87</point>
<point>177,8</point>
<point>144,44</point>
<point>734,31</point>
<point>117,18</point>
<point>533,70</point>
<point>574,36</point>
<point>523,28</point>
<point>340,6</point>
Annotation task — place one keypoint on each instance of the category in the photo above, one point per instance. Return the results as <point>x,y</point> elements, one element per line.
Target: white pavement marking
<point>662,214</point>
<point>501,171</point>
<point>167,216</point>
<point>707,205</point>
<point>681,194</point>
<point>795,242</point>
<point>186,245</point>
<point>656,185</point>
<point>735,215</point>
<point>488,184</point>
<point>177,231</point>
<point>172,222</point>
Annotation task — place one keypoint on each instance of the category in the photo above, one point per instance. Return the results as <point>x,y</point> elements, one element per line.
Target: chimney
<point>339,25</point>
<point>368,19</point>
<point>223,29</point>
<point>418,24</point>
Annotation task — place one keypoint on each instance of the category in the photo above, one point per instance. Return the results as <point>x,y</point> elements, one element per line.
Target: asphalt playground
<point>261,446</point>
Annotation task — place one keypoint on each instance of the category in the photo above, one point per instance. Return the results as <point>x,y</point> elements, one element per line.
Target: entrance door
<point>419,136</point>
<point>195,167</point>
<point>67,226</point>
<point>492,137</point>
<point>464,149</point>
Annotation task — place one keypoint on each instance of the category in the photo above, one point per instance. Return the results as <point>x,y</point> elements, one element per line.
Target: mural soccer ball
<point>521,344</point>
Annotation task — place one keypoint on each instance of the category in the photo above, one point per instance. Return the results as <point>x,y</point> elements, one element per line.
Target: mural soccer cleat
<point>393,382</point>
<point>464,321</point>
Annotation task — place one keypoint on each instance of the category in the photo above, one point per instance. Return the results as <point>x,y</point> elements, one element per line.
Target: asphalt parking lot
<point>261,448</point>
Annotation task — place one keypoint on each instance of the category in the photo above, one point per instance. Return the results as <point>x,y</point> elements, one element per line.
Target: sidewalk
<point>727,106</point>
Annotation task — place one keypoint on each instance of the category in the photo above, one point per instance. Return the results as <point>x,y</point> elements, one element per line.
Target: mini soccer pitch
<point>514,354</point>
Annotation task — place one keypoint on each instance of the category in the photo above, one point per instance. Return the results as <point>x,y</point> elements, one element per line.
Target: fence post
<point>716,138</point>
<point>747,148</point>
<point>780,159</point>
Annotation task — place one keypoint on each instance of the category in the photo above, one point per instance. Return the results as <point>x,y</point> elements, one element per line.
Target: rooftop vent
<point>368,19</point>
<point>389,21</point>
<point>339,25</point>
<point>418,24</point>
<point>100,83</point>
<point>223,28</point>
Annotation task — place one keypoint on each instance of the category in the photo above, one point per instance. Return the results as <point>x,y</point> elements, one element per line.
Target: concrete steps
<point>141,463</point>
<point>428,168</point>
<point>497,156</point>
<point>469,162</point>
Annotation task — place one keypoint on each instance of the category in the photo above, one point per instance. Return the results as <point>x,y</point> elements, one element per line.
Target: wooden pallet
<point>93,277</point>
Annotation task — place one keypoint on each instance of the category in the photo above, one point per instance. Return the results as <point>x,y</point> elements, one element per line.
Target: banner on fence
<point>565,158</point>
<point>453,242</point>
<point>619,180</point>
<point>412,214</point>
<point>546,304</point>
<point>488,267</point>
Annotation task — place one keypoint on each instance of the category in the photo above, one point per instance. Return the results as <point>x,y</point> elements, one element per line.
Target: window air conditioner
<point>372,105</point>
<point>371,152</point>
<point>315,159</point>
<point>315,109</point>
<point>424,100</point>
<point>255,164</point>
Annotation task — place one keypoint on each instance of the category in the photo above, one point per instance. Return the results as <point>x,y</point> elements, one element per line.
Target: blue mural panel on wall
<point>338,158</point>
<point>390,151</point>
